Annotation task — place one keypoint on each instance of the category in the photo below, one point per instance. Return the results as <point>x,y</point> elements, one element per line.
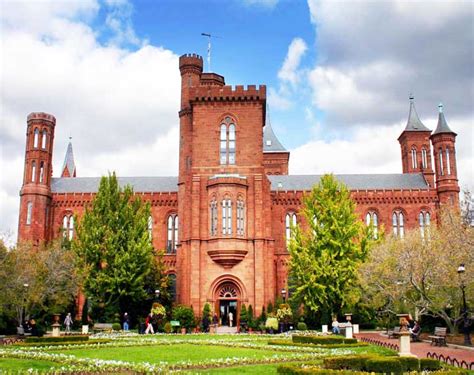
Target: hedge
<point>322,340</point>
<point>429,364</point>
<point>296,370</point>
<point>329,346</point>
<point>57,343</point>
<point>383,365</point>
<point>351,362</point>
<point>57,339</point>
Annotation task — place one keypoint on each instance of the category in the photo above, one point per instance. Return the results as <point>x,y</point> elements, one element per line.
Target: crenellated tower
<point>415,146</point>
<point>444,150</point>
<point>35,194</point>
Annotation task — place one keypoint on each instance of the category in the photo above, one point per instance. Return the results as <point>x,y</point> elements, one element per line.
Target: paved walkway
<point>226,329</point>
<point>420,349</point>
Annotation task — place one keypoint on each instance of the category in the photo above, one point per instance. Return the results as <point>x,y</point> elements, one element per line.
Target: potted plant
<point>271,324</point>
<point>185,316</point>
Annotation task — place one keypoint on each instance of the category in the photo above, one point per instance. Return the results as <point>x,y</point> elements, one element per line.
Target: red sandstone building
<point>225,219</point>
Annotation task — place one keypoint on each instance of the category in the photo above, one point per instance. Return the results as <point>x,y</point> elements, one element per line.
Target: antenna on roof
<point>209,36</point>
<point>440,107</point>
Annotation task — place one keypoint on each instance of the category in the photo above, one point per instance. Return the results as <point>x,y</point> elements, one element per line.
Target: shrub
<point>384,365</point>
<point>322,340</point>
<point>185,315</point>
<point>330,346</point>
<point>271,323</point>
<point>429,364</point>
<point>351,362</point>
<point>57,339</point>
<point>116,327</point>
<point>296,370</point>
<point>168,328</point>
<point>302,326</point>
<point>409,363</point>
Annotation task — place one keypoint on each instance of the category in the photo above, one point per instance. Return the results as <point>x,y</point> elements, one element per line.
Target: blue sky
<point>338,76</point>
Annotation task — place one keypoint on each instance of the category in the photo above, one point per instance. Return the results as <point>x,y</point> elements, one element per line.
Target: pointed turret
<point>275,156</point>
<point>69,167</point>
<point>414,123</point>
<point>442,126</point>
<point>270,141</point>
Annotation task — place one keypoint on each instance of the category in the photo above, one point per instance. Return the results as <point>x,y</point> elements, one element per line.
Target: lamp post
<point>283,294</point>
<point>465,310</point>
<point>25,285</point>
<point>157,295</point>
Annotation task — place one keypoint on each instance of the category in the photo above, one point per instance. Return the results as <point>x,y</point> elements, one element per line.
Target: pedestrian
<point>335,326</point>
<point>231,318</point>
<point>149,325</point>
<point>68,322</point>
<point>215,320</point>
<point>126,322</point>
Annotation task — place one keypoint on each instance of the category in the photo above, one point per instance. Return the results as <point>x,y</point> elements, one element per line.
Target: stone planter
<point>85,329</point>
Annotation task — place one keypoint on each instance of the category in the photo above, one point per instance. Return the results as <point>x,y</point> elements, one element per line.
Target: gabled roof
<point>270,141</point>
<point>69,163</point>
<point>414,123</point>
<point>442,124</point>
<point>400,181</point>
<point>91,184</point>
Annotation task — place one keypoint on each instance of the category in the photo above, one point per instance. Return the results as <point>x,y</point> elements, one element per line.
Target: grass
<point>17,365</point>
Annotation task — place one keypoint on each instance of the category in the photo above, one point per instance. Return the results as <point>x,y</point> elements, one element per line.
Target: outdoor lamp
<point>283,294</point>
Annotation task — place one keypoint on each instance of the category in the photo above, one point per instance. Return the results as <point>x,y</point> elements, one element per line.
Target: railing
<point>451,360</point>
<point>381,343</point>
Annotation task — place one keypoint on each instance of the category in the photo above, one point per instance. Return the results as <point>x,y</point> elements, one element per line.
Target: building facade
<point>225,219</point>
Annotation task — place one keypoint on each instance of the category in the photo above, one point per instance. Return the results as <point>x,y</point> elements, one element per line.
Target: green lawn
<point>17,365</point>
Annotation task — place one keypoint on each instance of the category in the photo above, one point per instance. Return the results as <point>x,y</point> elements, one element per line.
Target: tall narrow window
<point>172,286</point>
<point>33,171</point>
<point>240,217</point>
<point>398,224</point>
<point>43,139</point>
<point>290,221</point>
<point>424,158</point>
<point>226,216</point>
<point>424,220</point>
<point>441,167</point>
<point>36,138</point>
<point>150,227</point>
<point>172,234</point>
<point>41,172</point>
<point>414,162</point>
<point>29,212</point>
<point>227,142</point>
<point>71,227</point>
<point>372,220</point>
<point>68,226</point>
<point>213,218</point>
<point>448,167</point>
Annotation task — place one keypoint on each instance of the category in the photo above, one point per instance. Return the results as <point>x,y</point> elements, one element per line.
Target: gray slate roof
<point>270,141</point>
<point>414,123</point>
<point>442,124</point>
<point>91,184</point>
<point>353,181</point>
<point>69,161</point>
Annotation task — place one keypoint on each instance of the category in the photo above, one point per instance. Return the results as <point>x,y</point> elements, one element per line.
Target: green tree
<point>113,245</point>
<point>327,249</point>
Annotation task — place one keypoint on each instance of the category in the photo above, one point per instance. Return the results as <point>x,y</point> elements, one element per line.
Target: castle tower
<point>415,146</point>
<point>35,194</point>
<point>69,167</point>
<point>444,140</point>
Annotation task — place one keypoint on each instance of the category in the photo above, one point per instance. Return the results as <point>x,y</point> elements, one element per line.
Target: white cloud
<point>289,71</point>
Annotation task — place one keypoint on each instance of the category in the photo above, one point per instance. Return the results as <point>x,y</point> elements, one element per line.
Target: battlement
<point>215,93</point>
<point>212,79</point>
<point>190,60</point>
<point>41,116</point>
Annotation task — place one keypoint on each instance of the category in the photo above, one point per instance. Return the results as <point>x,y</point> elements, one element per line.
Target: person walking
<point>231,318</point>
<point>149,325</point>
<point>126,322</point>
<point>68,322</point>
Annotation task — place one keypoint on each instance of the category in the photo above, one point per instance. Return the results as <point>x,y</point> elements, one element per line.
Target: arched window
<point>226,216</point>
<point>424,158</point>
<point>29,212</point>
<point>398,224</point>
<point>68,226</point>
<point>371,219</point>
<point>36,138</point>
<point>424,220</point>
<point>414,162</point>
<point>71,227</point>
<point>290,221</point>
<point>441,167</point>
<point>227,142</point>
<point>240,217</point>
<point>172,286</point>
<point>213,217</point>
<point>33,171</point>
<point>172,234</point>
<point>41,172</point>
<point>43,139</point>
<point>448,167</point>
<point>150,227</point>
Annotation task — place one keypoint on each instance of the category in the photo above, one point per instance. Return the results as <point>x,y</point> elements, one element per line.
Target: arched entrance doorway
<point>227,304</point>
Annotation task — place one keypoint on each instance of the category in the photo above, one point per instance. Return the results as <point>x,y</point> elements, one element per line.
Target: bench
<point>107,327</point>
<point>394,333</point>
<point>439,337</point>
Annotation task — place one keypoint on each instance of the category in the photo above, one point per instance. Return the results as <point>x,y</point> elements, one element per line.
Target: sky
<point>338,76</point>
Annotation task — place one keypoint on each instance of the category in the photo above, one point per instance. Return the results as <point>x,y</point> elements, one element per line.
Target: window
<point>424,219</point>
<point>35,138</point>
<point>33,171</point>
<point>29,212</point>
<point>424,158</point>
<point>290,221</point>
<point>441,168</point>
<point>213,217</point>
<point>43,139</point>
<point>150,227</point>
<point>413,158</point>
<point>41,172</point>
<point>172,234</point>
<point>226,216</point>
<point>398,224</point>
<point>371,219</point>
<point>227,142</point>
<point>172,286</point>
<point>448,167</point>
<point>240,217</point>
<point>68,226</point>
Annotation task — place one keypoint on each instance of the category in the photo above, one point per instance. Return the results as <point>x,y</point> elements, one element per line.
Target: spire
<point>442,124</point>
<point>69,167</point>
<point>414,123</point>
<point>270,141</point>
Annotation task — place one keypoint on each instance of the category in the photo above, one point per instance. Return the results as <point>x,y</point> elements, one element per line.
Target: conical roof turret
<point>442,126</point>
<point>270,141</point>
<point>414,123</point>
<point>69,167</point>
